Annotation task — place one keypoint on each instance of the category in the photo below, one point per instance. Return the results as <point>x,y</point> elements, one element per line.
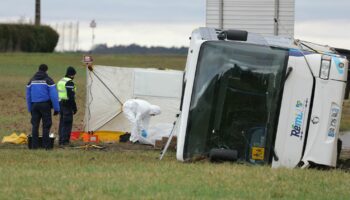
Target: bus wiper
<point>289,71</point>
<point>307,46</point>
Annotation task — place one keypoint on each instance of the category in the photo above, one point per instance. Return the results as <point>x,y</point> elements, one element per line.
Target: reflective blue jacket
<point>42,88</point>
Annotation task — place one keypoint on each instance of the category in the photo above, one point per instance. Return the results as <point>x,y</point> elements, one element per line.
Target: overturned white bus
<point>270,100</point>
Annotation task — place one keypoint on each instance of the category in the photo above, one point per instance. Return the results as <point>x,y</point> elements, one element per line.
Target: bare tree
<point>37,12</point>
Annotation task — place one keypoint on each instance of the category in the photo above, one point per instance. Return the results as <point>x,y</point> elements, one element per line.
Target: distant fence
<point>69,36</point>
<point>27,38</point>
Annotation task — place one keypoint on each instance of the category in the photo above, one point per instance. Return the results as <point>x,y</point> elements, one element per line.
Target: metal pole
<point>37,12</point>
<point>276,21</point>
<point>70,39</point>
<point>63,36</point>
<point>77,37</point>
<point>93,26</point>
<point>93,38</point>
<point>221,14</point>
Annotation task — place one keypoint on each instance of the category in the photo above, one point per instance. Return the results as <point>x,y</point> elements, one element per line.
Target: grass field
<point>122,174</point>
<point>68,174</point>
<point>17,69</point>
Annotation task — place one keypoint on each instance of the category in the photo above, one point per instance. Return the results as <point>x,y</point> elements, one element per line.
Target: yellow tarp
<point>108,136</point>
<point>15,139</point>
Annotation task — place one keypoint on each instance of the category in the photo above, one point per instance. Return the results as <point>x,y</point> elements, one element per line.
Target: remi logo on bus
<point>298,122</point>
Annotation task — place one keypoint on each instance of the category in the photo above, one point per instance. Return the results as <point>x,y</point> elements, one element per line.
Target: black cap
<point>70,71</point>
<point>43,68</point>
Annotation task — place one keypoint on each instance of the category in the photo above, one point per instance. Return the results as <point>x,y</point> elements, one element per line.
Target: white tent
<point>109,87</point>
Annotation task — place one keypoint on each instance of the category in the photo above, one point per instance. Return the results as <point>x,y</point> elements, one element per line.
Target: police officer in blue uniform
<point>66,93</point>
<point>41,96</point>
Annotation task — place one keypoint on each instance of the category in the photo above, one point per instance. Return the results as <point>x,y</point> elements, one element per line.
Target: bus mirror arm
<point>289,71</point>
<point>274,155</point>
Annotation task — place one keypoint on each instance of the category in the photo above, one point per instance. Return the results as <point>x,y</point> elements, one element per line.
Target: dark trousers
<point>40,111</point>
<point>66,123</point>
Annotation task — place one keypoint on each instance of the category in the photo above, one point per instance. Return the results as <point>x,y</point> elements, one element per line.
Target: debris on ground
<point>90,146</point>
<point>15,139</point>
<point>161,143</point>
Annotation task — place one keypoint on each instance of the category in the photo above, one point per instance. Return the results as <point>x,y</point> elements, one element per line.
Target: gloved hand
<point>55,113</point>
<point>75,111</point>
<point>144,133</point>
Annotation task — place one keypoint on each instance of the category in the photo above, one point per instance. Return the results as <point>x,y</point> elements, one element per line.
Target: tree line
<point>27,38</point>
<point>137,49</point>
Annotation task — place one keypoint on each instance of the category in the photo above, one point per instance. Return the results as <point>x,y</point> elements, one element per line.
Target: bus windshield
<point>236,100</point>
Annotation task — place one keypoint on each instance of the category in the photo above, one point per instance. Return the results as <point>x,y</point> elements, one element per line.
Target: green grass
<point>116,174</point>
<point>73,174</point>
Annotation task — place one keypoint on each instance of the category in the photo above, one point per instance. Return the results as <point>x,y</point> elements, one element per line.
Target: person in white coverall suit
<point>139,112</point>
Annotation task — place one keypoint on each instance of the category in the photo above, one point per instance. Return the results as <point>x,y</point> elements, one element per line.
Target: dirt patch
<point>81,146</point>
<point>115,147</point>
<point>344,165</point>
<point>344,160</point>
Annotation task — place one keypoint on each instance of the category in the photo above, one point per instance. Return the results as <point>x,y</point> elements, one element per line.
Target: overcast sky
<point>170,22</point>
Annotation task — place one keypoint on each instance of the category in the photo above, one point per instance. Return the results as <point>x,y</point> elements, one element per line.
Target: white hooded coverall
<point>139,112</point>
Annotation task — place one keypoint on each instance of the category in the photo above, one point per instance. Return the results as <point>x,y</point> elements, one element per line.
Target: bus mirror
<point>237,35</point>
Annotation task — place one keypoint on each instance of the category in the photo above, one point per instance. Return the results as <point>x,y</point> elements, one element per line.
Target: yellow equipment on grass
<point>98,136</point>
<point>108,136</point>
<point>15,139</point>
